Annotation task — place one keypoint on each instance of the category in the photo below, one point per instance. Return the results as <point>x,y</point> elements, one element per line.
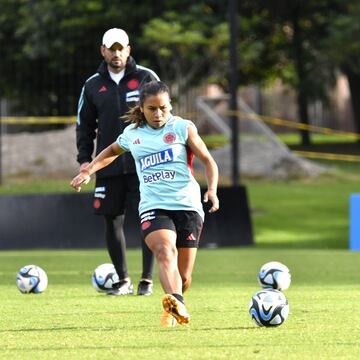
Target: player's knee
<point>165,254</point>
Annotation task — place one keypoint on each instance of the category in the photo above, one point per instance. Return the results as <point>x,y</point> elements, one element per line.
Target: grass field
<point>302,214</point>
<point>302,223</point>
<point>70,320</point>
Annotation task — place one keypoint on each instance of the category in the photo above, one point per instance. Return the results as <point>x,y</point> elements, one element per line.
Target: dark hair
<point>134,115</point>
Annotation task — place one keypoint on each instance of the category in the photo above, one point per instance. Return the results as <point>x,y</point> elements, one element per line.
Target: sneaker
<point>124,287</point>
<point>167,320</point>
<point>175,308</point>
<point>145,287</point>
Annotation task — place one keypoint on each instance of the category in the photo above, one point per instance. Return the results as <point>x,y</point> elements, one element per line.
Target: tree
<point>342,46</point>
<point>188,47</point>
<point>51,47</point>
<point>192,48</point>
<point>297,27</point>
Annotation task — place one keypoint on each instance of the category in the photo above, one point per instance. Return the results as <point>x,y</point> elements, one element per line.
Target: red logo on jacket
<point>96,203</point>
<point>133,84</point>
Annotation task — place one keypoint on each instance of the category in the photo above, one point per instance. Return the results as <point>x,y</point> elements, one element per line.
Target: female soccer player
<point>170,206</point>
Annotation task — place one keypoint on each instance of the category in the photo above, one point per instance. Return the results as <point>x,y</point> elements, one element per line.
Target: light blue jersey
<point>164,166</point>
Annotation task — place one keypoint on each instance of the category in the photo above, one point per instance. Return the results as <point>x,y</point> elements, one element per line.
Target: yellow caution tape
<point>37,120</point>
<point>22,120</point>
<point>327,156</point>
<point>33,120</point>
<point>296,125</point>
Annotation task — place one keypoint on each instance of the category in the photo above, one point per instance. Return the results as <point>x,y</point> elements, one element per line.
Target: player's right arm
<point>103,159</point>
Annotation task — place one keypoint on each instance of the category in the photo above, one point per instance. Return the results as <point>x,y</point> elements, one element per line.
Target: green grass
<point>36,186</point>
<point>317,139</point>
<point>302,214</point>
<point>71,321</point>
<point>216,140</point>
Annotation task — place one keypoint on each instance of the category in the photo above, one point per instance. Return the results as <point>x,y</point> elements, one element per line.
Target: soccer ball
<point>268,308</point>
<point>104,277</point>
<point>31,279</point>
<point>274,275</point>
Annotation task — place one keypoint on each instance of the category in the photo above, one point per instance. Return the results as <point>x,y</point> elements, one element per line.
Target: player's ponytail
<point>135,116</point>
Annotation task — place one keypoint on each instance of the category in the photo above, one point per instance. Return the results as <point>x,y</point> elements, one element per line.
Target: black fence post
<point>1,128</point>
<point>233,85</point>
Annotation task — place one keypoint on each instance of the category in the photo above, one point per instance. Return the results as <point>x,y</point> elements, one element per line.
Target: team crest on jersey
<point>133,84</point>
<point>169,138</point>
<point>152,160</point>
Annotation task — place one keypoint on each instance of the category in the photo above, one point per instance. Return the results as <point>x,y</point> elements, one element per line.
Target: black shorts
<point>112,195</point>
<point>186,224</point>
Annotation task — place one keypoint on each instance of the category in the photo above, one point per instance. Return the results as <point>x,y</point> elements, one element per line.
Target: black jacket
<point>102,103</point>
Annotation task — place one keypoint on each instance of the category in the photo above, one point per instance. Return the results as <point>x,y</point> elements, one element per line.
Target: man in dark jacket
<point>105,98</point>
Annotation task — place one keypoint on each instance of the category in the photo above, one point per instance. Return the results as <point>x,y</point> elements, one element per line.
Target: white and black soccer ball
<point>274,275</point>
<point>269,308</point>
<point>103,277</point>
<point>31,279</point>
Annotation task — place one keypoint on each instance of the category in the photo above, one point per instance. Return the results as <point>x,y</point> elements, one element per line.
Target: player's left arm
<point>103,159</point>
<point>198,147</point>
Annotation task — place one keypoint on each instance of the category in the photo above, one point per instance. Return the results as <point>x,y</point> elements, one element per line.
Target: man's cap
<point>115,35</point>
